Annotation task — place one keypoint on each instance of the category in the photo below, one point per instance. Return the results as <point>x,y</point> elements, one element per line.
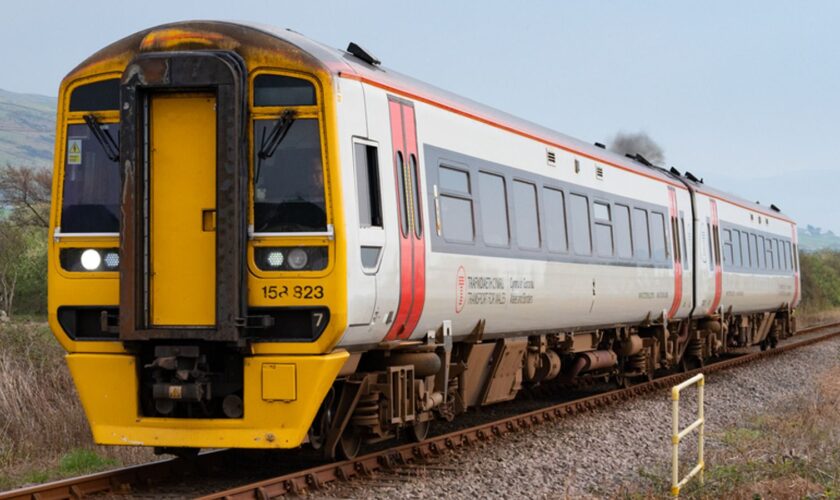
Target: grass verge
<point>791,452</point>
<point>43,431</point>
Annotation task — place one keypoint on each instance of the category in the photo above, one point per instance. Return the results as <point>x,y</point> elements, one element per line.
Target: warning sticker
<point>74,152</point>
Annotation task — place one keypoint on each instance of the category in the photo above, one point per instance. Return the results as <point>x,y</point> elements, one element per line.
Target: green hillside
<point>813,238</point>
<point>27,124</point>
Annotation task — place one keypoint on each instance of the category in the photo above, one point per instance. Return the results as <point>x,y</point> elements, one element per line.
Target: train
<point>259,241</point>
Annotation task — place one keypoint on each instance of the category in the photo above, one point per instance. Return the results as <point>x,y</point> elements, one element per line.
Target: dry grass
<point>806,318</point>
<point>43,430</point>
<point>793,452</point>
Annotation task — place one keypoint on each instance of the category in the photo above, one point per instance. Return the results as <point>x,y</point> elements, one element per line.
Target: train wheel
<point>689,363</point>
<point>622,381</point>
<point>420,430</point>
<point>349,444</point>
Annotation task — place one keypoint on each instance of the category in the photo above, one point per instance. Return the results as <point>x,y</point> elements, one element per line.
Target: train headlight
<point>91,260</point>
<point>298,259</point>
<point>275,258</point>
<point>291,258</point>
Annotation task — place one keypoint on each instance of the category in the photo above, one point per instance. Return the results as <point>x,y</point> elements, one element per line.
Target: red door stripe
<point>714,256</point>
<point>678,269</point>
<point>417,234</point>
<point>406,277</point>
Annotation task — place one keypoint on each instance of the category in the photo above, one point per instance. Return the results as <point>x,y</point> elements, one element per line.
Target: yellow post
<point>677,435</point>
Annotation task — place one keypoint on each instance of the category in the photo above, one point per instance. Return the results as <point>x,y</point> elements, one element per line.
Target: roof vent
<point>676,172</point>
<point>774,207</point>
<point>691,177</point>
<point>362,54</point>
<point>599,145</point>
<point>551,157</point>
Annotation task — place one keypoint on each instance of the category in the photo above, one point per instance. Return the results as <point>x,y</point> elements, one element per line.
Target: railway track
<point>128,479</point>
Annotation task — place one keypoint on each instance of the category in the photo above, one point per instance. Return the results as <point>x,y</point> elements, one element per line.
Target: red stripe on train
<point>678,269</point>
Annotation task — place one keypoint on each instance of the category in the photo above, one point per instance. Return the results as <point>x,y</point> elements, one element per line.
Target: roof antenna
<point>362,54</point>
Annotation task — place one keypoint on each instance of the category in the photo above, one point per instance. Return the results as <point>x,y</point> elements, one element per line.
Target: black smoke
<point>633,143</point>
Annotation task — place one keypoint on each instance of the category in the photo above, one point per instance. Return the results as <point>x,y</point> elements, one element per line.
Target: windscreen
<point>289,185</point>
<point>91,195</point>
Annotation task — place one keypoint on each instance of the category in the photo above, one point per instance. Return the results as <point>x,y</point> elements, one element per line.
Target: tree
<point>12,248</point>
<point>27,191</point>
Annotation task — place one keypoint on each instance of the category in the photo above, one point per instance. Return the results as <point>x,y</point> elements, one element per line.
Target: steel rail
<point>127,479</point>
<point>391,458</point>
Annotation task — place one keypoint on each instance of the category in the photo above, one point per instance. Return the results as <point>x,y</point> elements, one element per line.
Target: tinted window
<point>657,236</point>
<point>736,245</point>
<point>621,224</point>
<point>278,90</point>
<point>289,186</point>
<point>97,96</point>
<point>581,232</point>
<point>728,254</point>
<point>603,229</point>
<point>494,217</point>
<point>367,185</point>
<point>555,220</point>
<point>456,215</point>
<point>526,222</point>
<point>641,234</point>
<point>454,180</point>
<point>711,250</point>
<point>92,184</point>
<point>401,194</point>
<point>686,259</point>
<point>754,251</point>
<point>745,250</point>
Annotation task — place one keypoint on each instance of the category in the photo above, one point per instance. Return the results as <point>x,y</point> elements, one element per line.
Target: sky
<point>745,94</point>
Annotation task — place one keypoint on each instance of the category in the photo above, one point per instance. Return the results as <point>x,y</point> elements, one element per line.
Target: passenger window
<point>279,90</point>
<point>657,237</point>
<point>623,242</point>
<point>728,254</point>
<point>526,218</point>
<point>756,264</point>
<point>771,255</point>
<point>494,213</point>
<point>415,190</point>
<point>745,250</point>
<point>686,257</point>
<point>581,232</point>
<point>736,246</point>
<point>641,234</point>
<point>454,180</point>
<point>367,185</point>
<point>711,250</point>
<point>762,252</point>
<point>456,205</point>
<point>603,229</point>
<point>779,255</point>
<point>555,217</point>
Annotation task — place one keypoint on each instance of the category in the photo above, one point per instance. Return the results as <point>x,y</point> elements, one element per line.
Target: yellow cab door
<point>183,209</point>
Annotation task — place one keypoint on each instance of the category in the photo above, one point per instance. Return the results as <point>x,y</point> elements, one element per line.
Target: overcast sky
<point>732,90</point>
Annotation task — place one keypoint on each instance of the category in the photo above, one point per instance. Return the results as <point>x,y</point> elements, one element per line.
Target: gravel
<point>593,454</point>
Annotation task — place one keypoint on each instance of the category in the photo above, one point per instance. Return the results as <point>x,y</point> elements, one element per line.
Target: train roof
<point>345,65</point>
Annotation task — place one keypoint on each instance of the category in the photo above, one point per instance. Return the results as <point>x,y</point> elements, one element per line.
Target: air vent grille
<point>599,173</point>
<point>551,157</point>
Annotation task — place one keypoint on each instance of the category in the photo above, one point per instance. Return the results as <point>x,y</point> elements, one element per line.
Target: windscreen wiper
<point>112,150</point>
<point>278,133</point>
<point>268,145</point>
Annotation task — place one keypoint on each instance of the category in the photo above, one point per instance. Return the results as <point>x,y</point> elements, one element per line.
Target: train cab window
<point>367,185</point>
<point>92,184</point>
<point>581,231</point>
<point>289,183</point>
<point>103,95</point>
<point>456,205</point>
<point>557,236</point>
<point>603,229</point>
<point>641,234</point>
<point>526,216</point>
<point>621,224</point>
<point>657,237</point>
<point>279,90</point>
<point>493,206</point>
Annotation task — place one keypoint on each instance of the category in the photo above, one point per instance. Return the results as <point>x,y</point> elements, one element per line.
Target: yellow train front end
<point>194,276</point>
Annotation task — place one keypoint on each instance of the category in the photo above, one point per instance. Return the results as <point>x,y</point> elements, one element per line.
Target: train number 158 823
<point>298,292</point>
